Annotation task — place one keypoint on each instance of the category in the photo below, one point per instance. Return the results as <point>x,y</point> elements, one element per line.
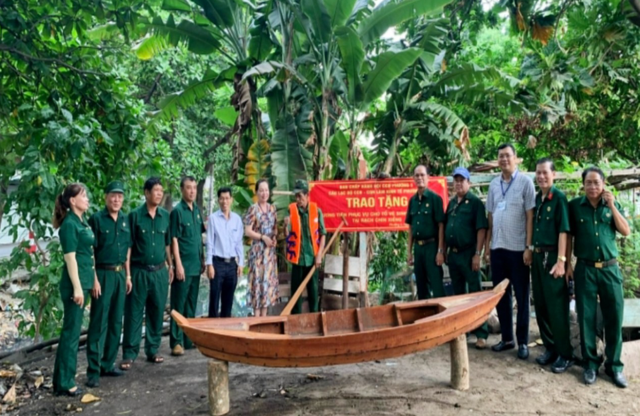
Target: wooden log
<point>345,272</point>
<point>459,363</point>
<point>218,387</point>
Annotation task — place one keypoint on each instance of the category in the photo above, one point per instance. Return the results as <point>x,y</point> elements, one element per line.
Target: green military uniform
<point>550,294</point>
<point>463,220</point>
<point>597,275</point>
<point>75,237</point>
<point>112,243</point>
<point>424,213</point>
<point>187,226</point>
<point>307,260</point>
<point>150,281</point>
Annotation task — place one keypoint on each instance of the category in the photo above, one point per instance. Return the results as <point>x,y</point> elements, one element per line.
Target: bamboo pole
<point>294,298</point>
<point>345,272</point>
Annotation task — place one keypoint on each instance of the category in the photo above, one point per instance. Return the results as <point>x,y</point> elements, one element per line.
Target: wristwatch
<point>530,247</point>
<point>477,252</point>
<point>562,258</point>
<point>440,251</point>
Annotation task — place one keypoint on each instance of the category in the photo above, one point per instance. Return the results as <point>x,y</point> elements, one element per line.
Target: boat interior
<point>330,322</point>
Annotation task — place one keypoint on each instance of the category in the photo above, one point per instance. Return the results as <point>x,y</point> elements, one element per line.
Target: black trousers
<point>507,264</point>
<point>222,288</point>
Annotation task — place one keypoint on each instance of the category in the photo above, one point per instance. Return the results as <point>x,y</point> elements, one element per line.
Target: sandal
<point>156,359</point>
<point>126,365</point>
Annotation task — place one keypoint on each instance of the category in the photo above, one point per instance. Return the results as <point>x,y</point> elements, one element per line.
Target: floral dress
<point>263,272</point>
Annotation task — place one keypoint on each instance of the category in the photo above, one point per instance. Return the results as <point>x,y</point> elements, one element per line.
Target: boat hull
<point>340,337</point>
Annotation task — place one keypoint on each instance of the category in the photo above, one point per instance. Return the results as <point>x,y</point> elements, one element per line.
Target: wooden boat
<point>340,337</point>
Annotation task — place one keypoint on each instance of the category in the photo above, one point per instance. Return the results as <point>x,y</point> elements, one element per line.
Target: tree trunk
<point>393,151</point>
<point>200,196</point>
<point>168,202</point>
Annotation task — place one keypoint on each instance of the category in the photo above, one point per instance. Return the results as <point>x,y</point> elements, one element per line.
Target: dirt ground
<point>417,384</point>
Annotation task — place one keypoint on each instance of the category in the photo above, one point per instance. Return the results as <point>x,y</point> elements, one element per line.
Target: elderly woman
<point>260,226</point>
<point>78,273</point>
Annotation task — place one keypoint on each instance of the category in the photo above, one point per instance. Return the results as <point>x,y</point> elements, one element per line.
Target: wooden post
<point>218,387</point>
<point>345,271</point>
<point>459,363</point>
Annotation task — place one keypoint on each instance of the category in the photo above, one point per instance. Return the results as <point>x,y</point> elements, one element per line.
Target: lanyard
<point>455,209</point>
<point>513,179</point>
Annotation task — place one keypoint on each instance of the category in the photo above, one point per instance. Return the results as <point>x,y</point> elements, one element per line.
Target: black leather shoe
<point>589,376</point>
<point>503,346</point>
<point>77,392</point>
<point>547,358</point>
<point>116,372</point>
<point>618,378</point>
<point>523,352</point>
<point>561,365</point>
<point>93,382</point>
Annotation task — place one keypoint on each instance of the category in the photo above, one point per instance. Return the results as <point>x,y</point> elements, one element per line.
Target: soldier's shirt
<point>594,230</point>
<point>112,237</point>
<point>551,217</point>
<point>150,236</point>
<point>463,220</point>
<point>424,213</point>
<point>307,258</point>
<point>187,227</point>
<point>77,237</point>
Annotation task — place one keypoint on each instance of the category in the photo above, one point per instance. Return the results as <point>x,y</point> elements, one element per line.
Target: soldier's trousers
<point>428,274</point>
<point>105,326</point>
<point>64,370</point>
<point>465,280</point>
<point>551,301</point>
<point>605,283</point>
<point>149,293</point>
<point>184,298</point>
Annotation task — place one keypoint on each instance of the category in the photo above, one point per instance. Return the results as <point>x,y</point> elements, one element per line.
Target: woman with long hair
<point>76,239</point>
<point>260,225</point>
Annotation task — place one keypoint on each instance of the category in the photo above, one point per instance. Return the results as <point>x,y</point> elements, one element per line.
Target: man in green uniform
<point>425,217</point>
<point>151,271</point>
<point>112,280</point>
<point>466,225</point>
<point>594,220</point>
<point>550,291</point>
<point>188,253</point>
<point>304,244</point>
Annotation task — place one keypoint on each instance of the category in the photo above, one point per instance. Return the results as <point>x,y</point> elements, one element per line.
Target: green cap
<point>115,186</point>
<point>301,186</point>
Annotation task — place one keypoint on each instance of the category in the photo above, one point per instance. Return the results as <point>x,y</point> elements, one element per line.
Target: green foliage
<point>389,258</point>
<point>630,252</point>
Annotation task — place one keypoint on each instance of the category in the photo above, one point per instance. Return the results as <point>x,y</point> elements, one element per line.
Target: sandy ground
<point>417,384</point>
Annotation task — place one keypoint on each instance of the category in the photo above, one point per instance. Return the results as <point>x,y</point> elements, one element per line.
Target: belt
<point>224,259</point>
<point>600,264</point>
<point>423,242</point>
<point>110,267</point>
<point>461,249</point>
<point>149,267</point>
<point>545,249</point>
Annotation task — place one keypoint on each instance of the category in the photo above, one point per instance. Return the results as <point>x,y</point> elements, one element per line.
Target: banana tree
<point>234,30</point>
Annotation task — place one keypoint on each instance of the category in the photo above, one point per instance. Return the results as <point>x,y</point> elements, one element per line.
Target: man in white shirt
<point>225,255</point>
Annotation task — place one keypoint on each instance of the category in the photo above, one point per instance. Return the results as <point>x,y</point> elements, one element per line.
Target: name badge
<point>502,205</point>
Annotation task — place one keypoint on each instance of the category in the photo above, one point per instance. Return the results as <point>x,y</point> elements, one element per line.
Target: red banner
<point>370,205</point>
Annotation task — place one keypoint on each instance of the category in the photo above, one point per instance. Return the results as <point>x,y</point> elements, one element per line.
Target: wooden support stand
<point>218,387</point>
<point>459,363</point>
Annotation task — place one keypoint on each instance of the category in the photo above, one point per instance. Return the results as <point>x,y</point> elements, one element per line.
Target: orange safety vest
<point>294,238</point>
